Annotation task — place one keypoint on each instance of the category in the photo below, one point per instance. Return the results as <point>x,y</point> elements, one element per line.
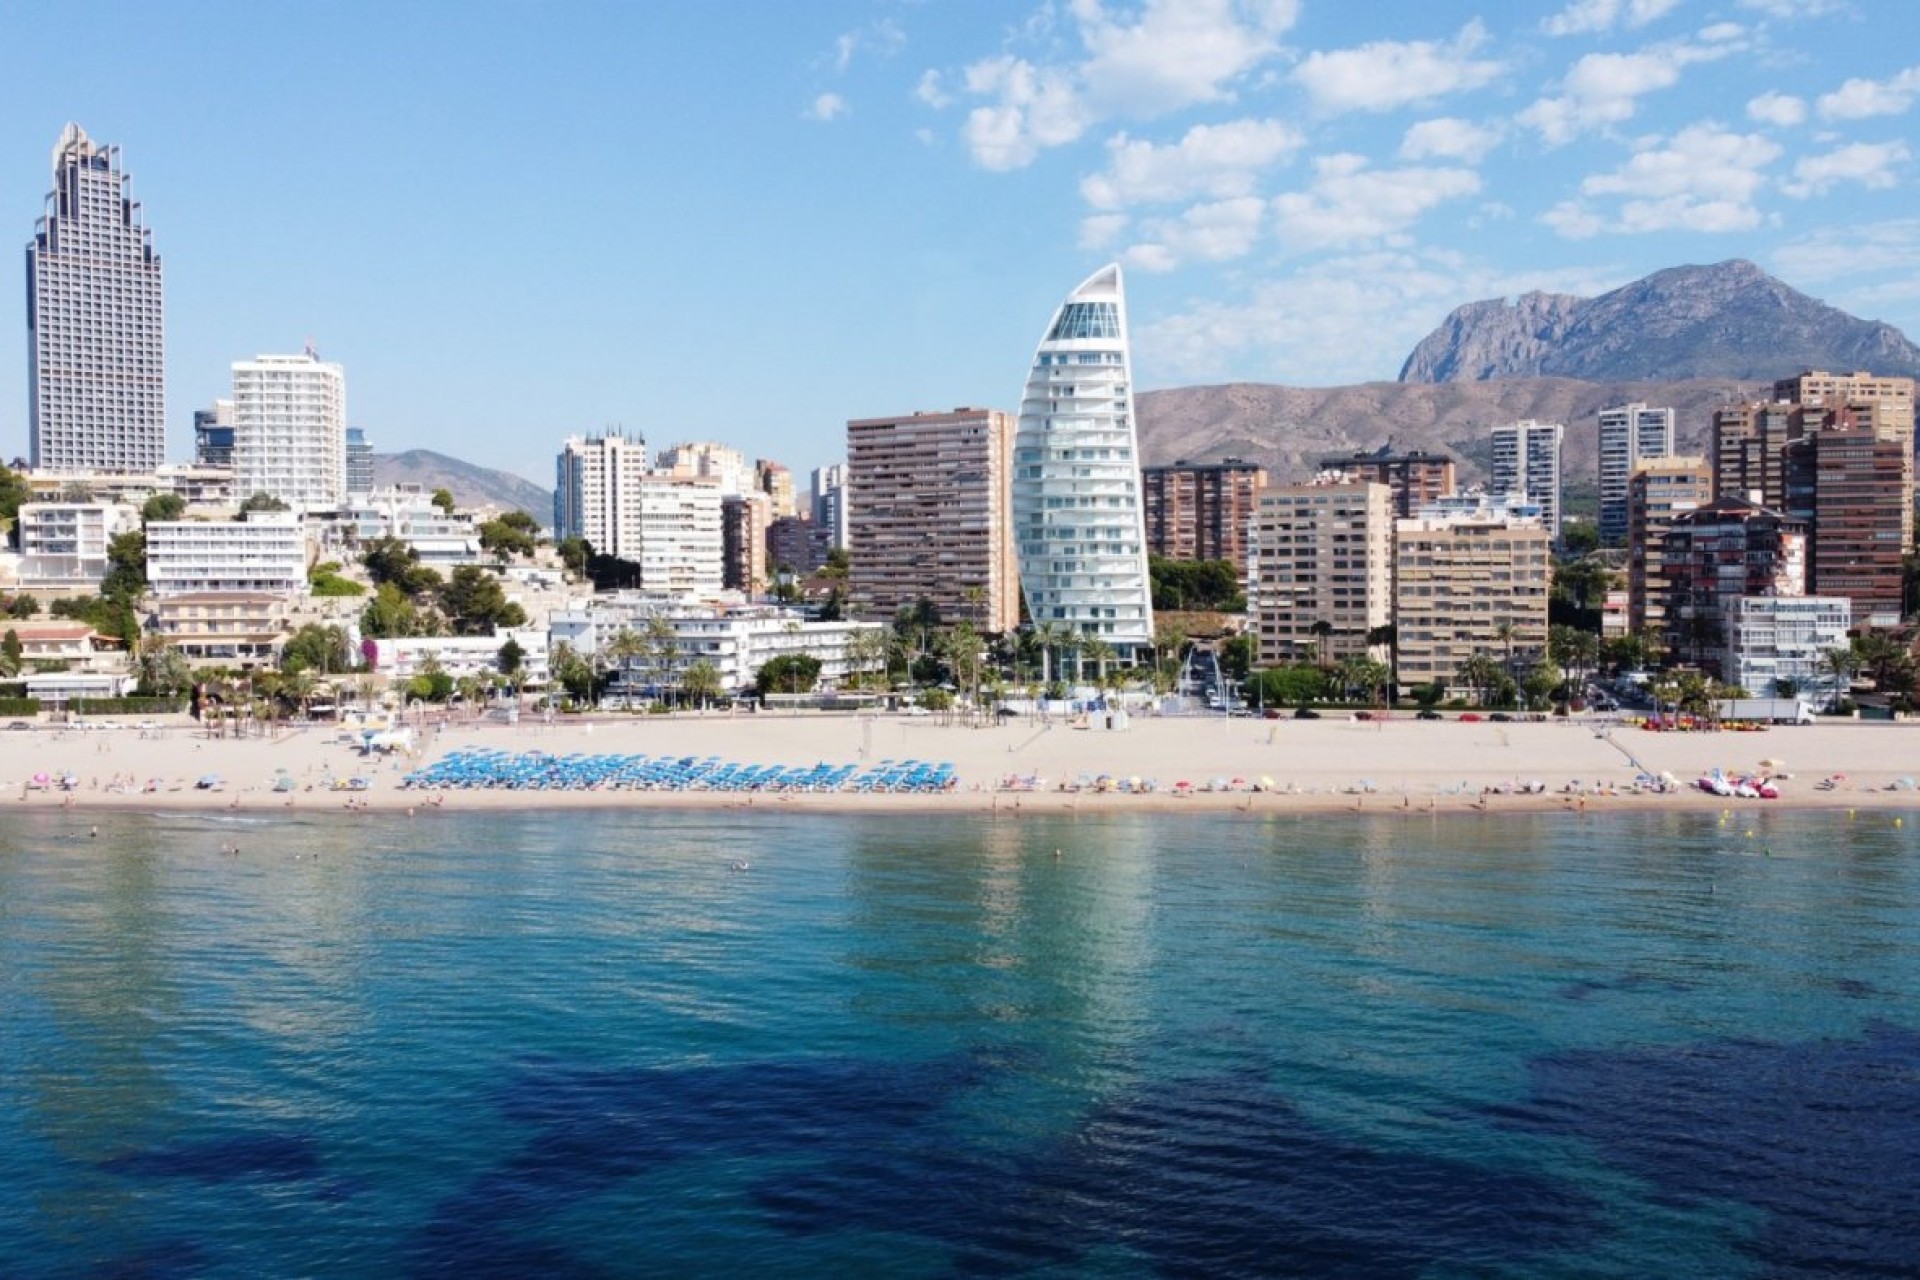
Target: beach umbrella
<point>41,779</point>
<point>1266,783</point>
<point>208,781</point>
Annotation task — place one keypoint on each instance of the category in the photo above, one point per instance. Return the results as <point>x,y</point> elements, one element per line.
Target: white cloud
<point>1386,74</point>
<point>1789,9</point>
<point>1877,249</point>
<point>1871,164</point>
<point>1777,109</point>
<point>1704,179</point>
<point>1348,203</point>
<point>1590,17</point>
<point>1037,108</point>
<point>1215,160</point>
<point>1603,89</point>
<point>932,90</point>
<point>827,107</point>
<point>1099,231</point>
<point>1350,318</point>
<point>1217,232</point>
<point>1164,56</point>
<point>1449,137</point>
<point>1860,99</point>
<point>884,38</point>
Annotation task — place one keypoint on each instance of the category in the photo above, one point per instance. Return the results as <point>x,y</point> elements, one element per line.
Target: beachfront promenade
<point>1018,765</point>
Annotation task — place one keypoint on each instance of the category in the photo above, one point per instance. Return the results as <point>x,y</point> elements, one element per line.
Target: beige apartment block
<point>929,516</point>
<point>1658,490</point>
<point>1201,510</point>
<point>1323,577</point>
<point>1467,587</point>
<point>1891,399</point>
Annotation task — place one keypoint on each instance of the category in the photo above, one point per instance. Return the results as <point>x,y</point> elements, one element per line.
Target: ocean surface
<point>749,1042</point>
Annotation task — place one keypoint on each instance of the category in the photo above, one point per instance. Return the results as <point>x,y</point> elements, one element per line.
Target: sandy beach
<point>1014,766</point>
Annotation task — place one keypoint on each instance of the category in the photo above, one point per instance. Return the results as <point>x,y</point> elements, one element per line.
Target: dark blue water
<point>587,1044</point>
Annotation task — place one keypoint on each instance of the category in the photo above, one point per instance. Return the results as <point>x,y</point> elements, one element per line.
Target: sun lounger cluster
<point>477,769</point>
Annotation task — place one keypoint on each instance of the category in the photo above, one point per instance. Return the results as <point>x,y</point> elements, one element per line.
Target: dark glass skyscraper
<point>96,381</point>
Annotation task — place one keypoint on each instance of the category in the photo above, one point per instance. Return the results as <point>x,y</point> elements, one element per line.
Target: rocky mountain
<point>471,486</point>
<point>1728,320</point>
<point>1290,429</point>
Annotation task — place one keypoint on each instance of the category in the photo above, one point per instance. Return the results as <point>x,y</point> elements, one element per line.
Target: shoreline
<point>1328,766</point>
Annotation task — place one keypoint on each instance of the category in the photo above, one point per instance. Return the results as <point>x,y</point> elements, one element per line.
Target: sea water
<point>752,1041</point>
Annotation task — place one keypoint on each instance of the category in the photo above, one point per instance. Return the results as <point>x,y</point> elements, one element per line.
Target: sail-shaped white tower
<point>1077,513</point>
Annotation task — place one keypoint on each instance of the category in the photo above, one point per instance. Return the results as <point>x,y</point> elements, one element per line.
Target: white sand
<point>1324,764</point>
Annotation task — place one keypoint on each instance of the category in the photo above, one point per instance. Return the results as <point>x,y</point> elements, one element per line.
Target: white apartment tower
<point>96,381</point>
<point>1629,435</point>
<point>596,492</point>
<point>290,430</point>
<point>830,501</point>
<point>1079,526</point>
<point>1526,463</point>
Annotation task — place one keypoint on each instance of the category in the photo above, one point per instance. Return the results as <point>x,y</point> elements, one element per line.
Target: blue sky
<point>752,221</point>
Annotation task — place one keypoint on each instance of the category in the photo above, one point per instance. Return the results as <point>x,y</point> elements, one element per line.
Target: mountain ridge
<point>472,485</point>
<point>1726,320</point>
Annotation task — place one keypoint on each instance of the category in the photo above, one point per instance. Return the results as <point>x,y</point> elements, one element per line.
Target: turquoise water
<point>1181,1044</point>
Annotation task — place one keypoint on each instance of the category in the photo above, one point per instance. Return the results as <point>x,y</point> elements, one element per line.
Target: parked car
<point>20,724</point>
<point>1428,713</point>
<point>1306,713</point>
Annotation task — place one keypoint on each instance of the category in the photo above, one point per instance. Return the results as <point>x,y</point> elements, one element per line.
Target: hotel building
<point>1468,586</point>
<point>1077,516</point>
<point>1891,399</point>
<point>1526,463</point>
<point>1630,434</point>
<point>290,430</point>
<point>1716,555</point>
<point>96,374</point>
<point>1416,479</point>
<point>1323,554</point>
<point>265,553</point>
<point>928,496</point>
<point>596,492</point>
<point>1659,490</point>
<point>1201,510</point>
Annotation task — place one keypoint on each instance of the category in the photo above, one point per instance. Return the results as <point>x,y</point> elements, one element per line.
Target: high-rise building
<point>96,373</point>
<point>1526,461</point>
<point>776,481</point>
<point>1201,511</point>
<point>1712,557</point>
<point>1891,398</point>
<point>213,435</point>
<point>702,459</point>
<point>1658,490</point>
<point>744,518</point>
<point>1749,450</point>
<point>1417,479</point>
<point>1323,585</point>
<point>830,501</point>
<point>1077,517</point>
<point>797,546</point>
<point>1854,489</point>
<point>290,430</point>
<point>359,463</point>
<point>1785,638</point>
<point>1629,435</point>
<point>927,516</point>
<point>682,539</point>
<point>1466,586</point>
<point>596,492</point>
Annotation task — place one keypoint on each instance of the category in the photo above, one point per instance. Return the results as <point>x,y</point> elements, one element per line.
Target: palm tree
<point>866,652</point>
<point>701,682</point>
<point>1840,663</point>
<point>1322,631</point>
<point>1100,653</point>
<point>618,652</point>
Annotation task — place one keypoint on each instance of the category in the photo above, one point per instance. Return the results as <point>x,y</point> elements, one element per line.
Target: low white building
<point>400,658</point>
<point>63,545</point>
<point>739,641</point>
<point>407,512</point>
<point>1774,638</point>
<point>267,552</point>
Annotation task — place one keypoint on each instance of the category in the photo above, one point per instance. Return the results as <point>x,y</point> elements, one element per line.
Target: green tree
<point>701,682</point>
<point>317,648</point>
<point>788,673</point>
<point>475,604</point>
<point>507,537</point>
<point>512,659</point>
<point>1237,653</point>
<point>14,491</point>
<point>443,499</point>
<point>261,501</point>
<point>163,507</point>
<point>1541,683</point>
<point>573,672</point>
<point>391,613</point>
<point>1295,686</point>
<point>164,671</point>
<point>126,578</point>
<point>574,554</point>
<point>10,651</point>
<point>395,560</point>
<point>867,656</point>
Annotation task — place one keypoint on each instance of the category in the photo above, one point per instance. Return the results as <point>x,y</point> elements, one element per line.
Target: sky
<point>749,221</point>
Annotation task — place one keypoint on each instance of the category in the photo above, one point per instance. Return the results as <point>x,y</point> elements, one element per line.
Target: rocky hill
<point>1289,429</point>
<point>1728,320</point>
<point>470,485</point>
